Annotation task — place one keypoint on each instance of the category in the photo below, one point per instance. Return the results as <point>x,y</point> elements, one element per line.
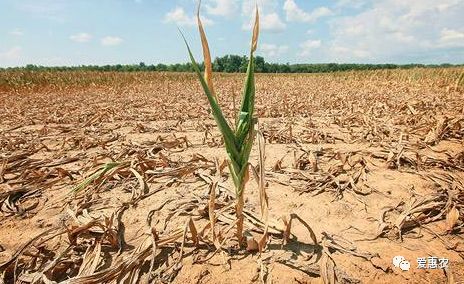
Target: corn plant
<point>97,175</point>
<point>239,141</point>
<point>460,81</point>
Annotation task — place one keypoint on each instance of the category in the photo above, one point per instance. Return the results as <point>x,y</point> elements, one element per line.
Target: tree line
<point>230,64</point>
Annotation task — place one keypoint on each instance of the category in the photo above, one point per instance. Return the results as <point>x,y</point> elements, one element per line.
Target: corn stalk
<point>238,142</point>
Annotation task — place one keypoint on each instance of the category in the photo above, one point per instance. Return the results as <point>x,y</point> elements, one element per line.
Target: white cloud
<point>269,19</point>
<point>111,40</point>
<point>13,53</point>
<point>11,57</point>
<point>399,31</point>
<point>16,32</point>
<point>272,50</point>
<point>49,9</point>
<point>180,18</point>
<point>269,22</point>
<point>225,8</point>
<point>265,7</point>
<point>446,5</point>
<point>340,51</point>
<point>308,46</point>
<point>81,37</point>
<point>357,4</point>
<point>452,36</point>
<point>296,14</point>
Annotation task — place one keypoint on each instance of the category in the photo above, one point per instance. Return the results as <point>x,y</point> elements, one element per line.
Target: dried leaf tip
<point>206,54</point>
<point>452,218</point>
<point>254,41</point>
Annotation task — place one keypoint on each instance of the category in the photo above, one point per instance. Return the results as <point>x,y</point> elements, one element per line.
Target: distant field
<point>373,161</point>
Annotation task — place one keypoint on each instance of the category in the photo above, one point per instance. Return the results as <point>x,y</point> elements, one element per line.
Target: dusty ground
<point>371,161</point>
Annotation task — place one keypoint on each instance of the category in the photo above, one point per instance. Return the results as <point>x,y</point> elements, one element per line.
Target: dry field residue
<point>119,177</point>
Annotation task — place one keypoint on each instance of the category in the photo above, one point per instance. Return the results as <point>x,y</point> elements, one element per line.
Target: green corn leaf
<point>235,178</point>
<point>229,137</point>
<point>96,175</point>
<point>246,149</point>
<point>247,107</point>
<point>249,89</point>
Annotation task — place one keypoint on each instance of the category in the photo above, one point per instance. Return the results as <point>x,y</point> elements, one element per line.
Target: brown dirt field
<point>372,161</point>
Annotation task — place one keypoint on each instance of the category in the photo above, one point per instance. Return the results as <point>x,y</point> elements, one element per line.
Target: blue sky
<point>74,32</point>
